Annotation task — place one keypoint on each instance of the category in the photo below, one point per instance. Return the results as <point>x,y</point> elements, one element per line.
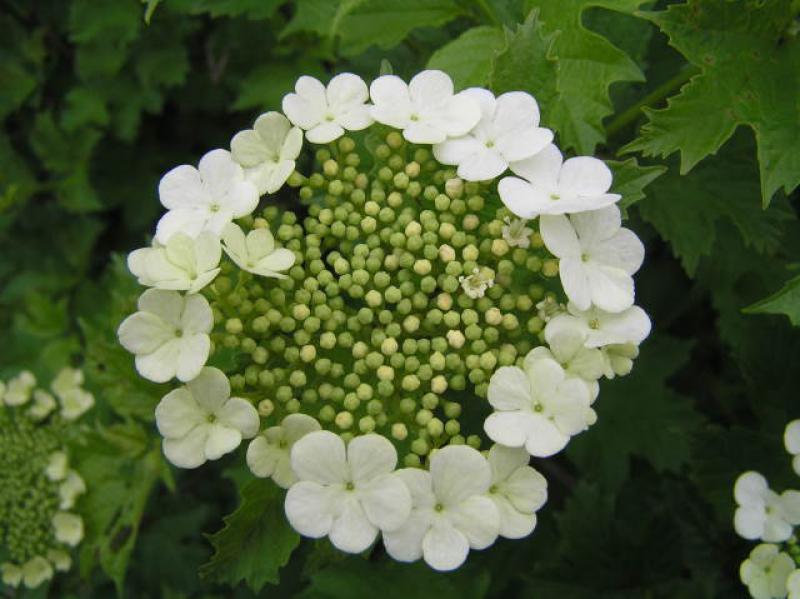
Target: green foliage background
<point>698,102</point>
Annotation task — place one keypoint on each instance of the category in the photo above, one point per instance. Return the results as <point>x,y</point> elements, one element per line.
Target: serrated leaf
<point>786,301</point>
<point>256,540</point>
<point>468,58</point>
<point>639,415</point>
<point>750,74</point>
<point>630,179</point>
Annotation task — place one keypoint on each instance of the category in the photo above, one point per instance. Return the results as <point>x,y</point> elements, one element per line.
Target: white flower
<point>183,264</point>
<point>36,571</point>
<point>201,421</point>
<point>68,528</point>
<point>11,574</point>
<point>550,185</point>
<point>347,494</point>
<point>60,559</point>
<point>567,347</point>
<point>425,109</point>
<point>517,490</point>
<point>269,454</point>
<point>791,439</point>
<point>762,513</point>
<point>257,253</point>
<point>539,408</point>
<point>325,114</point>
<point>451,512</point>
<point>476,284</point>
<point>43,404</point>
<point>619,359</point>
<point>205,198</point>
<point>268,151</point>
<point>69,490</point>
<point>603,328</point>
<point>19,389</point>
<point>507,132</point>
<point>549,308</point>
<point>596,257</point>
<point>766,571</point>
<point>516,234</point>
<point>56,468</point>
<point>793,585</point>
<point>169,335</point>
<point>74,399</point>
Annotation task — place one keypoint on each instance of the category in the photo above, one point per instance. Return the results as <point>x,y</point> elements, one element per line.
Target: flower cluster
<point>772,571</point>
<point>38,488</point>
<point>410,278</point>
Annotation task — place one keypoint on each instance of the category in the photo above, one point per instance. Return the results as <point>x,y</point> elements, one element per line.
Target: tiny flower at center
<point>349,486</point>
<point>555,196</point>
<point>211,418</point>
<point>438,507</point>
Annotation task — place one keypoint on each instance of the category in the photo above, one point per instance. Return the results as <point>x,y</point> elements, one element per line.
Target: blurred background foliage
<point>700,102</point>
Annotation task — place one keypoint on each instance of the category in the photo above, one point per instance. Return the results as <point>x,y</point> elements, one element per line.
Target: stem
<point>632,113</point>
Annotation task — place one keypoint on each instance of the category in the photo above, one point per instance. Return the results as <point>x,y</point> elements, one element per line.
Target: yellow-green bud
<point>399,431</point>
<point>344,420</point>
<point>266,407</point>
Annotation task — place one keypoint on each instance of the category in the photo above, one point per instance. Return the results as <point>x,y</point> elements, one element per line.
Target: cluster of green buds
<point>39,490</point>
<point>410,288</point>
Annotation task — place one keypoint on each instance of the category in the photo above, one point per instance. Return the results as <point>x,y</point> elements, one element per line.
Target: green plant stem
<point>629,115</point>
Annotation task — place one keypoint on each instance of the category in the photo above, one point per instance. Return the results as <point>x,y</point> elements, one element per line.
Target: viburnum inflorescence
<point>400,295</point>
<point>38,489</point>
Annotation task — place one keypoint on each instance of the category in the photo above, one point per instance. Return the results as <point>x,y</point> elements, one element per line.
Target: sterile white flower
<point>74,399</point>
<point>11,574</point>
<point>36,571</point>
<point>60,559</point>
<point>168,335</point>
<point>762,513</point>
<point>268,151</point>
<point>68,528</point>
<point>269,454</point>
<point>425,109</point>
<point>348,494</point>
<point>183,264</point>
<point>766,572</point>
<point>516,234</point>
<point>508,131</point>
<point>619,359</point>
<point>603,328</point>
<point>567,347</point>
<point>201,421</point>
<point>19,389</point>
<point>56,468</point>
<point>550,185</point>
<point>451,512</point>
<point>793,585</point>
<point>539,408</point>
<point>205,198</point>
<point>326,113</point>
<point>70,489</point>
<point>791,440</point>
<point>517,490</point>
<point>257,253</point>
<point>43,404</point>
<point>596,257</point>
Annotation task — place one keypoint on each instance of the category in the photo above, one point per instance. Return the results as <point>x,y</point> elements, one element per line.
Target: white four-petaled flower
<point>451,513</point>
<point>603,328</point>
<point>201,421</point>
<point>596,257</point>
<point>517,490</point>
<point>268,151</point>
<point>269,454</point>
<point>326,113</point>
<point>507,132</point>
<point>256,252</point>
<point>766,572</point>
<point>567,347</point>
<point>516,234</point>
<point>169,335</point>
<point>761,512</point>
<point>19,389</point>
<point>426,109</point>
<point>791,440</point>
<point>346,493</point>
<point>549,185</point>
<point>183,264</point>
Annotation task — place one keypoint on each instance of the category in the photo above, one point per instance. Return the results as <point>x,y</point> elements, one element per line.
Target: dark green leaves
<point>786,301</point>
<point>468,58</point>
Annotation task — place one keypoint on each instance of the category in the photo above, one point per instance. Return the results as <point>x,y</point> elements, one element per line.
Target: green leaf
<point>630,179</point>
<point>750,73</point>
<point>265,85</point>
<point>252,9</point>
<point>256,540</point>
<point>640,415</point>
<point>468,58</point>
<point>786,301</point>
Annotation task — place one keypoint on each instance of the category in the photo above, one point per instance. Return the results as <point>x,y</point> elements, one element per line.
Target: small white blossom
<point>791,440</point>
<point>451,513</point>
<point>269,454</point>
<point>766,572</point>
<point>19,389</point>
<point>56,468</point>
<point>425,109</point>
<point>507,132</point>
<point>596,257</point>
<point>517,490</point>
<point>201,421</point>
<point>68,528</point>
<point>603,328</point>
<point>347,494</point>
<point>70,489</point>
<point>539,408</point>
<point>60,559</point>
<point>268,151</point>
<point>11,574</point>
<point>550,185</point>
<point>567,347</point>
<point>169,335</point>
<point>183,264</point>
<point>549,308</point>
<point>793,585</point>
<point>257,253</point>
<point>36,571</point>
<point>43,404</point>
<point>325,114</point>
<point>516,234</point>
<point>74,399</point>
<point>619,359</point>
<point>762,513</point>
<point>476,284</point>
<point>205,198</point>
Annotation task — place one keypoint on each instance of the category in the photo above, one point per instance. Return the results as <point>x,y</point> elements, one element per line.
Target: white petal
<point>444,547</point>
<point>178,413</point>
<point>482,166</point>
<point>167,305</point>
<point>188,221</point>
<point>424,132</point>
<point>575,280</point>
<point>269,177</point>
<point>505,460</point>
<point>597,225</point>
<point>462,114</point>
<point>513,524</point>
<point>370,456</point>
<point>263,458</point>
<point>188,451</point>
<point>514,112</point>
<point>791,437</point>
<point>509,428</point>
<point>241,200</point>
<point>143,333</point>
<point>521,145</point>
<point>386,501</point>
<point>162,364</point>
<point>790,506</point>
<point>320,456</point>
<point>405,543</point>
<point>776,529</point>
<point>273,128</point>
<point>624,251</point>
<point>559,236</point>
<point>356,118</point>
<point>352,532</point>
<point>545,376</point>
<point>611,288</point>
<point>303,112</point>
<point>585,176</point>
<point>271,266</point>
<point>219,172</point>
<point>526,489</point>
<point>478,519</point>
<point>458,472</point>
<point>248,148</point>
<point>509,389</point>
<point>182,187</point>
<point>192,357</point>
<point>297,426</point>
<point>291,146</point>
<point>346,91</point>
<point>420,485</point>
<point>211,389</point>
<point>324,133</point>
<point>522,198</point>
<point>544,438</point>
<point>221,440</point>
<point>240,414</point>
<point>392,101</point>
<point>308,509</point>
<point>429,88</point>
<point>542,168</point>
<point>455,151</point>
<point>235,246</point>
<point>68,528</point>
